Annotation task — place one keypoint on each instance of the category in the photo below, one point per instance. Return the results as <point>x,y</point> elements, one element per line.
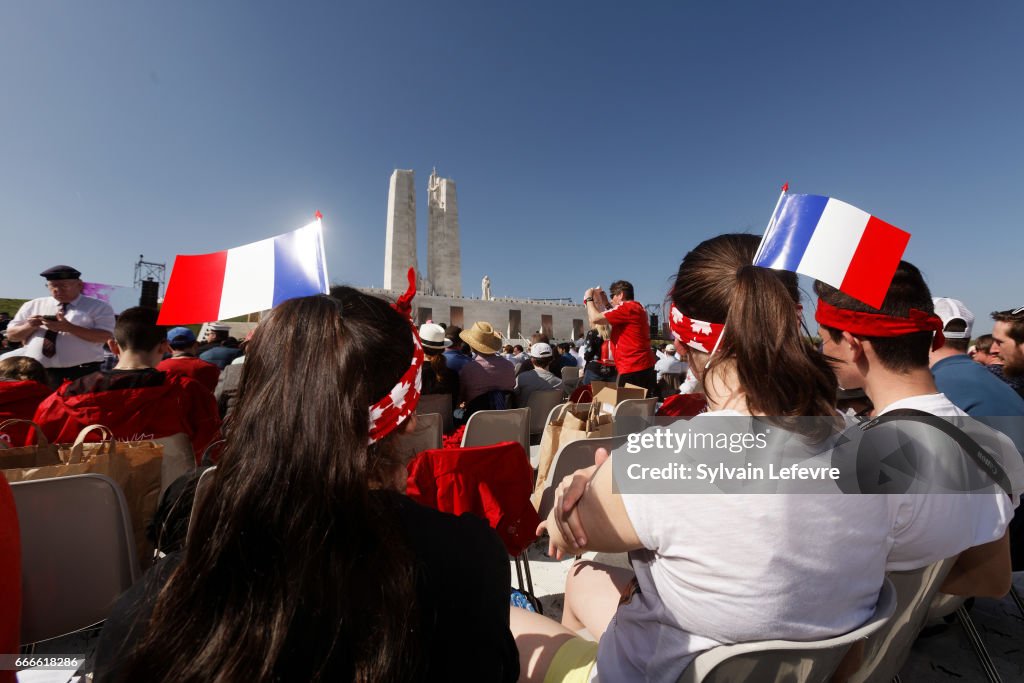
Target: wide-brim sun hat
<point>482,338</point>
<point>432,337</point>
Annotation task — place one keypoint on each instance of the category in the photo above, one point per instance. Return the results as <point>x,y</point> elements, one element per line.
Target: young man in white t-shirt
<point>885,352</point>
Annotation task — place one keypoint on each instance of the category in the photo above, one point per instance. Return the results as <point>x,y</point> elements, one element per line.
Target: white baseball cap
<point>669,348</point>
<point>541,350</point>
<point>953,309</point>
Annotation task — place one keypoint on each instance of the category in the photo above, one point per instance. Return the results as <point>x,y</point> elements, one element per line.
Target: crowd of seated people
<point>315,566</point>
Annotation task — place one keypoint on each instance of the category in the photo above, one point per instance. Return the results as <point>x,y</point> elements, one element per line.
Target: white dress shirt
<point>84,311</point>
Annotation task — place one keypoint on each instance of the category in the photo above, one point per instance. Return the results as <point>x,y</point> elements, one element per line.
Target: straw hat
<point>482,338</point>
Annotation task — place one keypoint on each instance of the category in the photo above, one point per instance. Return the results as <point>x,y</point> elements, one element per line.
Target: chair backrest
<point>486,427</point>
<point>887,650</point>
<point>203,487</point>
<point>77,552</point>
<point>670,382</point>
<point>633,414</point>
<point>570,378</point>
<point>635,407</point>
<point>440,404</point>
<point>572,456</point>
<point>428,434</point>
<point>784,660</point>
<point>541,403</point>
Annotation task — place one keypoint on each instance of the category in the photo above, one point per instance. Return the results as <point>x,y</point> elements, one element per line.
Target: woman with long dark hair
<point>713,568</point>
<point>305,563</point>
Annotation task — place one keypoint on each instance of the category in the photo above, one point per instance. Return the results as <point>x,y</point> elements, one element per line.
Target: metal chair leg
<point>978,645</point>
<point>1016,598</point>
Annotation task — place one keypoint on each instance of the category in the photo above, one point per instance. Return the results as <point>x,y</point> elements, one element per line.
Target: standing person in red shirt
<point>631,333</point>
<point>185,359</point>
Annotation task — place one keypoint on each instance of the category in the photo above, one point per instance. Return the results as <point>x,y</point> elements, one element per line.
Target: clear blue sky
<point>589,141</point>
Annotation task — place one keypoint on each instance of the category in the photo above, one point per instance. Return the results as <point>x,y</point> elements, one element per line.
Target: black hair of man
<point>957,325</point>
<point>908,290</point>
<point>623,287</point>
<point>136,329</point>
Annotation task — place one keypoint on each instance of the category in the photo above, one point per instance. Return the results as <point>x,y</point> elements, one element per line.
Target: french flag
<point>831,241</point>
<point>253,277</point>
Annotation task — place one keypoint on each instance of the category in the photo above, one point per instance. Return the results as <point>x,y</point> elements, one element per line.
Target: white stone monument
<point>485,288</point>
<point>400,243</point>
<point>444,259</point>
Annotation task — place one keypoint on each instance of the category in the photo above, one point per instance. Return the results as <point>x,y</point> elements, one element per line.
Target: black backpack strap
<point>972,448</point>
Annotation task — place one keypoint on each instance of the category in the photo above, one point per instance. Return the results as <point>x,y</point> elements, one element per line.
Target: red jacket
<point>205,373</point>
<point>20,400</point>
<point>683,405</point>
<point>134,405</point>
<point>493,482</point>
<point>10,577</point>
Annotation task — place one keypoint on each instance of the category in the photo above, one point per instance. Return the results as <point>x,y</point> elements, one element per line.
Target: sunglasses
<point>1011,311</point>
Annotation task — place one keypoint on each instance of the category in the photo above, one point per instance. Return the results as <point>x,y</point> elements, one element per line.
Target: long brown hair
<point>297,569</point>
<point>780,374</point>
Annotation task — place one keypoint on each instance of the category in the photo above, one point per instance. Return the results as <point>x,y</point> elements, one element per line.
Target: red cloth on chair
<point>493,482</point>
<point>683,405</point>
<point>10,578</point>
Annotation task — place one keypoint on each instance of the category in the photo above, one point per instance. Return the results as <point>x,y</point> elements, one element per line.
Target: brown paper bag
<point>43,453</point>
<point>571,423</point>
<point>609,395</point>
<point>134,465</point>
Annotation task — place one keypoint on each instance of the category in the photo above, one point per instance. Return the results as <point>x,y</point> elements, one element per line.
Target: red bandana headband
<point>392,410</point>
<point>697,334</point>
<point>879,325</point>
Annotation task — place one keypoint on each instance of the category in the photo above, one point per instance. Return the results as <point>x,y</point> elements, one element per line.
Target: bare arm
<point>20,332</point>
<point>982,571</point>
<point>599,518</point>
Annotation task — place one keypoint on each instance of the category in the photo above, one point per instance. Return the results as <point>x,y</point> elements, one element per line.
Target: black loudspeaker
<point>654,324</point>
<point>150,292</point>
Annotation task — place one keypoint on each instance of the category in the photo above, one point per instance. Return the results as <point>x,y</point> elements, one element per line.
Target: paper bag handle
<point>41,440</point>
<point>78,447</point>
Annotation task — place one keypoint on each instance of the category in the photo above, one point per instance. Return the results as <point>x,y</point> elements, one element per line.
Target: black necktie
<point>50,338</point>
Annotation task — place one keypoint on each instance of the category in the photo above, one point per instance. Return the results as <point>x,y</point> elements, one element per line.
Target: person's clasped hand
<point>569,536</point>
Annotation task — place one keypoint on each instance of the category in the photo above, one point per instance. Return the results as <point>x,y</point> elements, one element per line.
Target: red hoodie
<point>19,399</point>
<point>135,405</point>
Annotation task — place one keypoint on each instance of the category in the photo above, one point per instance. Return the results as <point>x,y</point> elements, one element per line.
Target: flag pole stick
<point>771,222</point>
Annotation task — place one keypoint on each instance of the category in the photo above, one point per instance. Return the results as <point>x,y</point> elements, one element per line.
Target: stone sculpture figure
<point>485,286</point>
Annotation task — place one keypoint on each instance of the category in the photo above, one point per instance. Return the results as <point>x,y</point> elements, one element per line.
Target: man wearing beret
<point>66,330</point>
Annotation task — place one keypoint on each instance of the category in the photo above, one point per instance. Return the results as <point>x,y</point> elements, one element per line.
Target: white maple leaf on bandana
<point>698,346</point>
<point>375,414</point>
<point>398,394</point>
<point>677,315</point>
<point>700,327</point>
<point>419,382</point>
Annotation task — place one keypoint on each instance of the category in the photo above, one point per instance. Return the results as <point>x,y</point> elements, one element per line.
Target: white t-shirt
<point>84,311</point>
<point>724,568</point>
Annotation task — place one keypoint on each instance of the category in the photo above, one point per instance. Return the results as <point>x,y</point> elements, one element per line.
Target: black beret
<point>61,273</point>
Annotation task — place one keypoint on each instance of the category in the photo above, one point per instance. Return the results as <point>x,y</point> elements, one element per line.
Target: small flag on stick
<point>831,241</point>
<point>246,279</point>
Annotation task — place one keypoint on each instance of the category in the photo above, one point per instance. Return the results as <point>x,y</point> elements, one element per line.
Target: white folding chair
<point>203,487</point>
<point>570,378</point>
<point>887,650</point>
<point>440,404</point>
<point>633,414</point>
<point>778,661</point>
<point>428,434</point>
<point>486,427</point>
<point>575,455</point>
<point>541,403</point>
<point>77,553</point>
